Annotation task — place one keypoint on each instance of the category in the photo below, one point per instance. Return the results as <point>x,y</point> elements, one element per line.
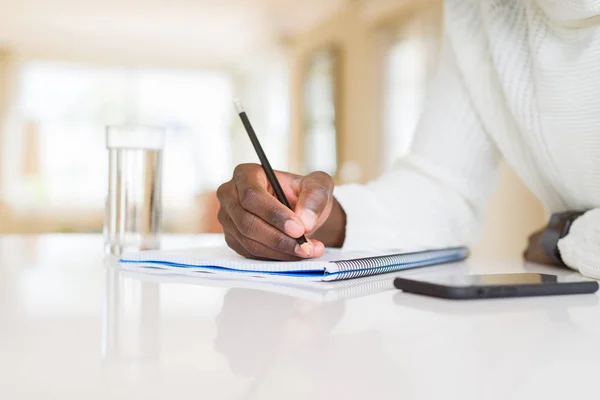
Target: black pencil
<point>302,241</point>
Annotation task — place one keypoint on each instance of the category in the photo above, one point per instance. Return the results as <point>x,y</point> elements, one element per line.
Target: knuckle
<point>249,196</point>
<point>239,169</point>
<point>283,243</point>
<point>277,217</point>
<point>224,191</point>
<point>323,177</point>
<point>232,243</point>
<point>236,246</point>
<point>319,194</point>
<point>242,169</point>
<point>253,247</point>
<point>222,217</point>
<point>248,224</point>
<point>229,240</point>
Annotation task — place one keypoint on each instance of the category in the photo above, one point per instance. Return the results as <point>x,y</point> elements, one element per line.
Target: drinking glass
<point>133,210</point>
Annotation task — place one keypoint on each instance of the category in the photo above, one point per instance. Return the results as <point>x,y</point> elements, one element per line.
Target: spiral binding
<point>348,269</point>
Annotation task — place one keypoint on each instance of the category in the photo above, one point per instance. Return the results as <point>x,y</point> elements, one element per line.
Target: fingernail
<point>293,228</point>
<point>304,250</point>
<point>309,219</point>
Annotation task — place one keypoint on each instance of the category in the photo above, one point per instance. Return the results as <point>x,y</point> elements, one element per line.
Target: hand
<point>257,225</point>
<point>534,252</point>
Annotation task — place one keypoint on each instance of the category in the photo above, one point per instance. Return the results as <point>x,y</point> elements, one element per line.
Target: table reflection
<point>131,323</point>
<point>279,341</point>
<point>254,327</point>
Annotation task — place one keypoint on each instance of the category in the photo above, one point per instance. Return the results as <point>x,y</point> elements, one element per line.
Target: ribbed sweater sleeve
<point>435,196</point>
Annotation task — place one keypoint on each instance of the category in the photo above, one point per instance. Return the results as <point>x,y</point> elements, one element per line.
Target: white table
<point>71,328</point>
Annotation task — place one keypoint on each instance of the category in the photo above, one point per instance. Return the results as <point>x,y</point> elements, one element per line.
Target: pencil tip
<point>306,248</point>
<point>238,106</point>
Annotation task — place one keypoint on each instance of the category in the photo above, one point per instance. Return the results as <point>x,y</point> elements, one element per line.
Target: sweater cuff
<point>580,249</point>
<point>362,229</point>
<point>350,198</point>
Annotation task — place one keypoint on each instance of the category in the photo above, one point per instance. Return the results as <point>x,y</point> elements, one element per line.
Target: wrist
<point>558,227</point>
<point>333,232</point>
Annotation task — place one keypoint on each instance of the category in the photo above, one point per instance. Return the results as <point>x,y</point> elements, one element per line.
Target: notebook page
<point>335,265</point>
<point>222,257</point>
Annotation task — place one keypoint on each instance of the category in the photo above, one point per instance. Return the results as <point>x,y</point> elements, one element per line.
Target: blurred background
<point>334,85</point>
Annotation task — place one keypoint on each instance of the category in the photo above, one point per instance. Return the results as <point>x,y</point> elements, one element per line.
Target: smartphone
<point>496,285</point>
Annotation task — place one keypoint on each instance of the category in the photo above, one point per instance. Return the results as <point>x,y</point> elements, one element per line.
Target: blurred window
<point>61,118</point>
<point>408,65</point>
<point>320,141</point>
<point>263,88</point>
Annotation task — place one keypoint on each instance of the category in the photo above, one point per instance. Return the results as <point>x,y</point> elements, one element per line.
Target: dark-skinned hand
<point>257,225</point>
<point>534,251</point>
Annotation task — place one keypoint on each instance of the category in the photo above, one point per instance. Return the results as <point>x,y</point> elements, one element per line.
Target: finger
<point>316,192</point>
<point>236,246</point>
<point>225,221</point>
<point>260,249</point>
<point>233,217</point>
<point>318,249</point>
<point>250,249</point>
<point>256,200</point>
<point>251,226</point>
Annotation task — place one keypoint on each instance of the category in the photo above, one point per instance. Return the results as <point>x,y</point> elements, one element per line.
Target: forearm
<point>434,197</point>
<point>407,209</point>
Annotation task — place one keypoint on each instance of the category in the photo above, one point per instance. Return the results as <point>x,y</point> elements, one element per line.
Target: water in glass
<point>133,204</point>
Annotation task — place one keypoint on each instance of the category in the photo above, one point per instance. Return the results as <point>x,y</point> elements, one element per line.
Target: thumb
<point>315,199</point>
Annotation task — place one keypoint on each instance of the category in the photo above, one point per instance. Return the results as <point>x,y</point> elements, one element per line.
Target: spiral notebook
<point>333,266</point>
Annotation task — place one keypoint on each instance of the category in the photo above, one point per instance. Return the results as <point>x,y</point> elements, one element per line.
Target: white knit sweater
<point>519,80</point>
